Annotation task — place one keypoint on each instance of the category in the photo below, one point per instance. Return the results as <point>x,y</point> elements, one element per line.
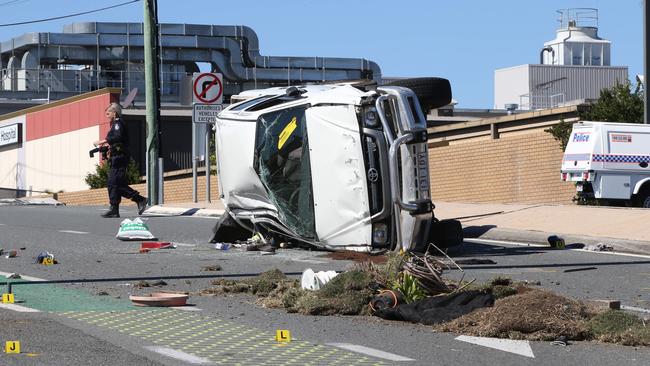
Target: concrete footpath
<point>624,229</point>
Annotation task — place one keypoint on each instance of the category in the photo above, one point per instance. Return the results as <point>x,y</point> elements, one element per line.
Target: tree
<point>617,104</point>
<point>99,179</point>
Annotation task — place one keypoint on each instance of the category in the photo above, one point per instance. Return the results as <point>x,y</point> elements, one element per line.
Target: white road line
<point>186,308</point>
<point>179,355</point>
<point>370,351</point>
<point>520,244</point>
<point>3,224</point>
<point>28,278</point>
<point>521,348</point>
<point>73,232</point>
<point>18,308</point>
<point>615,253</point>
<point>634,308</point>
<point>183,244</point>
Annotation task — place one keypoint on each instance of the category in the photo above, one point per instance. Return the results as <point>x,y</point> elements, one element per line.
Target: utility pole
<point>152,89</point>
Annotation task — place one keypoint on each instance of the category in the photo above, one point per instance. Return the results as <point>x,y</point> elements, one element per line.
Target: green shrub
<point>409,287</point>
<point>99,179</point>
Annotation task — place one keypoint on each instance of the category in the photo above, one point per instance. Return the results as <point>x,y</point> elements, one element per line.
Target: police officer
<point>117,139</point>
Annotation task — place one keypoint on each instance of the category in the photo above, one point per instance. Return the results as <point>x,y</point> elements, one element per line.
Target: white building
<point>575,66</point>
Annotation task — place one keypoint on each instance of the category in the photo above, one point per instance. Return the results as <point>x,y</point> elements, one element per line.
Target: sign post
<point>207,96</point>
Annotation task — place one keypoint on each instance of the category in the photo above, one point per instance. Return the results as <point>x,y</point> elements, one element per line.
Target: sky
<point>464,41</point>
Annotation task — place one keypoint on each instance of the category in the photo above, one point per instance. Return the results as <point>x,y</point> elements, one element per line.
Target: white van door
<point>578,152</point>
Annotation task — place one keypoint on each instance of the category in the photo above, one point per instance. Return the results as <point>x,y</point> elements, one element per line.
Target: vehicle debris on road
<point>46,258</point>
<point>311,280</point>
<point>600,247</point>
<point>160,299</point>
<point>135,229</point>
<point>556,242</point>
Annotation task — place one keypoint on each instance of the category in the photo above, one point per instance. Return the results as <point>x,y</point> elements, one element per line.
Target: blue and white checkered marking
<point>632,159</point>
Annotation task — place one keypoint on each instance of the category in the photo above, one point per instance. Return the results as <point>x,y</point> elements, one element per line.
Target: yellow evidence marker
<point>7,298</point>
<point>48,261</point>
<point>12,347</point>
<point>283,335</point>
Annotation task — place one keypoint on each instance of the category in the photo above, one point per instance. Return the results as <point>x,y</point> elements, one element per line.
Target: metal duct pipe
<point>541,54</point>
<point>190,36</point>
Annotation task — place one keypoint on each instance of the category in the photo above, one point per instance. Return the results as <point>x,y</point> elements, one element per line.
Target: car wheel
<point>431,92</point>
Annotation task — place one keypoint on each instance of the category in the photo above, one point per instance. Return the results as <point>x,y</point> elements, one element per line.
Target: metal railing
<point>532,101</point>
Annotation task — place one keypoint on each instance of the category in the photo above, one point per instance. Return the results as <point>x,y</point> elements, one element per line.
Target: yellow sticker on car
<point>286,132</point>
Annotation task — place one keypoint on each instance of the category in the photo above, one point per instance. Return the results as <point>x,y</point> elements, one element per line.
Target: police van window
<point>282,163</point>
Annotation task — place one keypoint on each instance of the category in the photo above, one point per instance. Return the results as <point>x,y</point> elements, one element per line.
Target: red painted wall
<point>70,117</point>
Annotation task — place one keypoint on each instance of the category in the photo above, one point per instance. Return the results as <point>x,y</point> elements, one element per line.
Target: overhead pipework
<point>91,55</point>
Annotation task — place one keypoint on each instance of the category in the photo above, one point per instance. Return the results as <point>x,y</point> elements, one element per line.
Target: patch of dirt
<point>260,285</point>
<point>356,256</point>
<point>536,315</point>
<point>142,284</point>
<point>213,268</point>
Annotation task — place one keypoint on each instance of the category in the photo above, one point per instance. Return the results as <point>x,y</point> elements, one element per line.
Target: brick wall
<point>523,167</point>
<point>177,189</point>
<point>520,167</point>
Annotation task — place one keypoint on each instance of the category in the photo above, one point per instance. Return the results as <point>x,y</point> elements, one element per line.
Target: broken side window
<point>282,163</point>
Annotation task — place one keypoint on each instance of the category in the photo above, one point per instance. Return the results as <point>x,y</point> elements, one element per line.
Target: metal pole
<point>194,163</point>
<point>161,181</point>
<point>646,59</point>
<point>207,164</point>
<point>152,96</point>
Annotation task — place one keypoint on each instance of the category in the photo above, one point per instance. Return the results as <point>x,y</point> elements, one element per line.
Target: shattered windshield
<point>282,163</point>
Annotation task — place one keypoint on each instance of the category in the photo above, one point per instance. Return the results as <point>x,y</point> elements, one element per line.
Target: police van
<point>609,162</point>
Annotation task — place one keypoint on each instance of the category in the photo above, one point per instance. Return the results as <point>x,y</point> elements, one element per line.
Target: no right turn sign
<point>207,88</point>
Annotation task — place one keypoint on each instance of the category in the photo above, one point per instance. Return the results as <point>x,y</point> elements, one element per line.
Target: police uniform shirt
<point>117,137</point>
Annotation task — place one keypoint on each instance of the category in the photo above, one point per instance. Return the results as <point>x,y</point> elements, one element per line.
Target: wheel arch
<point>643,184</point>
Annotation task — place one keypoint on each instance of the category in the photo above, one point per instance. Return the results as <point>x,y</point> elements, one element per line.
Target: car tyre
<point>431,92</point>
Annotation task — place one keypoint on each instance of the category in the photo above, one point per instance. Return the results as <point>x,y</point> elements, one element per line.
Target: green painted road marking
<point>217,340</point>
<point>58,298</point>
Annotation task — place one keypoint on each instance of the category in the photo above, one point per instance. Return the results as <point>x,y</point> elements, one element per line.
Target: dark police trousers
<point>118,184</point>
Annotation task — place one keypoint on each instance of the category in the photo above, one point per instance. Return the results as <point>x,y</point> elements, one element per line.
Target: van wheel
<point>644,201</point>
<point>431,92</point>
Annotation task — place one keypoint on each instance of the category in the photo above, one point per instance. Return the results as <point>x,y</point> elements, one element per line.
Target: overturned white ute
<point>333,166</point>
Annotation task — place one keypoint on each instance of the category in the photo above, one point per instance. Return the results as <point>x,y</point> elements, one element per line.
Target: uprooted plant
<point>497,308</point>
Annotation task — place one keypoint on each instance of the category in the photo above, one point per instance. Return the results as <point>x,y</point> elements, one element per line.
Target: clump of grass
<point>616,326</point>
<point>500,287</point>
<point>346,294</point>
<point>263,284</point>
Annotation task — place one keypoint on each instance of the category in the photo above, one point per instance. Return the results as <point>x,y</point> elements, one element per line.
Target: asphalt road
<point>93,323</point>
